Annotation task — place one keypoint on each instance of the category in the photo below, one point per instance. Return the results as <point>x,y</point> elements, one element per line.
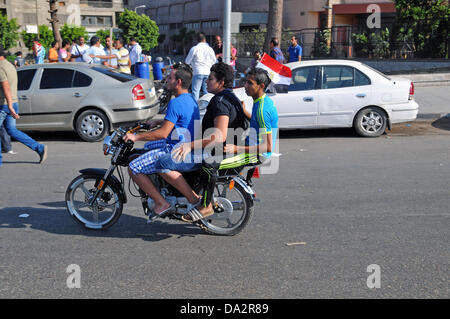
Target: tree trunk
<point>274,23</point>
<point>54,21</point>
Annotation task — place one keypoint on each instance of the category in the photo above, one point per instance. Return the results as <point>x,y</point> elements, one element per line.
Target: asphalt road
<point>350,202</point>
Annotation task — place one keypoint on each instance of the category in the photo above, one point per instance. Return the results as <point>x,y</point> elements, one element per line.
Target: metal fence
<point>344,42</point>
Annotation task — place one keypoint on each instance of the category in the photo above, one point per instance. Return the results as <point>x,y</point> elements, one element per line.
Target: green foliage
<point>360,44</point>
<point>8,32</point>
<point>425,24</point>
<point>102,34</point>
<point>321,47</point>
<point>184,37</point>
<point>72,32</point>
<point>140,27</point>
<point>45,37</point>
<point>11,58</point>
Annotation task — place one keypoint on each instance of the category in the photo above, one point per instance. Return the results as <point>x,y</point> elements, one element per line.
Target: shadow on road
<point>319,133</point>
<point>58,221</point>
<point>54,136</point>
<point>443,123</point>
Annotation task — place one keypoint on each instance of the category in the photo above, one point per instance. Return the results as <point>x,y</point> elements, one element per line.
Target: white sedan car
<point>339,93</point>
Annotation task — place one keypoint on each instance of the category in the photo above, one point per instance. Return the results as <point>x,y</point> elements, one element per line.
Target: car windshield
<point>119,76</point>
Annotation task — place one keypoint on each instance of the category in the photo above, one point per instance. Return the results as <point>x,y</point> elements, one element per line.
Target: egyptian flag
<point>278,73</point>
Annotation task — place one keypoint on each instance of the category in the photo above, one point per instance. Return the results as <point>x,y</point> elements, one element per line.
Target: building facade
<point>91,14</point>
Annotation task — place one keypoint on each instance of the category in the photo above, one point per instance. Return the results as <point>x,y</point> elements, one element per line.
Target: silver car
<point>87,98</point>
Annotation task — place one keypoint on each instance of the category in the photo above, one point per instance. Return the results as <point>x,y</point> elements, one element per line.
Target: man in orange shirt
<point>53,52</point>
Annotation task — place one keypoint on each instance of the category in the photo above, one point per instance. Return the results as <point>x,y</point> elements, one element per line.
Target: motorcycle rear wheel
<point>105,211</point>
<point>234,210</point>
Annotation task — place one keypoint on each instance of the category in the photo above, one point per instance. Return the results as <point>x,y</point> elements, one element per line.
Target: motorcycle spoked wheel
<point>106,210</point>
<point>233,210</point>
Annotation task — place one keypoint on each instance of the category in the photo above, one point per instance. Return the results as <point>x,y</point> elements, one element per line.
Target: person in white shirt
<point>135,53</point>
<point>94,50</point>
<point>201,57</point>
<point>78,50</point>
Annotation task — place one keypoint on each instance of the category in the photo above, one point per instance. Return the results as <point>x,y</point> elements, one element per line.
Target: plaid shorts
<point>145,164</point>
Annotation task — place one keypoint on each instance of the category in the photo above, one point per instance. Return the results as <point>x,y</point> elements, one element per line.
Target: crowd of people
<point>115,54</point>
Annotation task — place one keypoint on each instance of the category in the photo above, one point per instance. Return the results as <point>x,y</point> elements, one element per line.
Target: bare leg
<point>177,180</point>
<point>147,186</point>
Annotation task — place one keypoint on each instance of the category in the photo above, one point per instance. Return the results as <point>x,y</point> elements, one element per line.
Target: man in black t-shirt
<point>224,112</point>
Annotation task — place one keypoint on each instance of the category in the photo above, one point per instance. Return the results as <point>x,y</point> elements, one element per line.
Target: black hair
<point>224,72</point>
<point>2,51</point>
<point>18,53</point>
<point>54,43</point>
<point>121,40</point>
<point>201,37</point>
<point>79,38</point>
<point>260,76</point>
<point>94,40</point>
<point>275,41</point>
<point>183,73</point>
<point>65,42</point>
<point>132,39</point>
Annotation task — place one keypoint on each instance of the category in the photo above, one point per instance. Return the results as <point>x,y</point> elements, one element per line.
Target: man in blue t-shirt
<point>177,126</point>
<point>295,50</point>
<point>275,51</point>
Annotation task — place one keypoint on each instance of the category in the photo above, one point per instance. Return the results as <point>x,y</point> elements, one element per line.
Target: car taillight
<point>411,91</point>
<point>138,93</point>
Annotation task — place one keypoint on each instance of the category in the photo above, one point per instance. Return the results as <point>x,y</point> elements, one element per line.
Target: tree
<point>8,32</point>
<point>45,37</point>
<point>185,37</point>
<point>72,32</point>
<point>54,20</point>
<point>425,24</point>
<point>274,23</point>
<point>140,27</point>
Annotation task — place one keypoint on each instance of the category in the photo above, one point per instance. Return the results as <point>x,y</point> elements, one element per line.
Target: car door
<point>25,86</point>
<point>299,106</point>
<point>59,93</point>
<point>344,90</point>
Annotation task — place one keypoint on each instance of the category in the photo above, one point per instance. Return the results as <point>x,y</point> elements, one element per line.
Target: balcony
<point>96,3</point>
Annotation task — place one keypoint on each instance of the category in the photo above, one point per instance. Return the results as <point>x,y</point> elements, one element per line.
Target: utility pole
<point>37,19</point>
<point>226,49</point>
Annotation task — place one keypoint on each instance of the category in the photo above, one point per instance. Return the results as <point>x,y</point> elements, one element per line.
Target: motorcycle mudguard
<point>112,180</point>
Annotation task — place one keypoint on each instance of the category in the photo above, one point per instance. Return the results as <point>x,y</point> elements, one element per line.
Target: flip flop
<point>195,215</point>
<point>165,212</point>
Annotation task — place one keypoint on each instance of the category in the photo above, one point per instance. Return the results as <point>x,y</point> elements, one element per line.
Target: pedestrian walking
<point>78,49</point>
<point>201,58</point>
<point>295,50</point>
<point>275,51</point>
<point>39,51</point>
<point>53,56</point>
<point>64,53</point>
<point>9,108</point>
<point>19,61</point>
<point>135,54</point>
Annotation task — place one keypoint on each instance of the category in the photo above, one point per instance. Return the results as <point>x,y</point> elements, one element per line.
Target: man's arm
<point>7,91</point>
<point>159,134</point>
<point>247,114</point>
<point>190,56</point>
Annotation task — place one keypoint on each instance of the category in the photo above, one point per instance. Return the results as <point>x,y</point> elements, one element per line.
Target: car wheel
<point>92,125</point>
<point>370,122</point>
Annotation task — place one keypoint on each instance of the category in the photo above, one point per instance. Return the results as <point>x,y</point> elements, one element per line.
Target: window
<point>122,77</point>
<point>56,79</point>
<point>24,79</point>
<point>337,77</point>
<point>304,79</point>
<point>361,78</point>
<point>81,80</point>
<point>96,21</point>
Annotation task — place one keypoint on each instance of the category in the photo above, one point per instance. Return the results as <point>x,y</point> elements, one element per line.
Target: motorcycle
<point>95,199</point>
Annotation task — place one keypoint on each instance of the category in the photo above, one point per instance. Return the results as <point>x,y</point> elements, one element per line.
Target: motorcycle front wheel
<point>105,211</point>
<point>233,210</point>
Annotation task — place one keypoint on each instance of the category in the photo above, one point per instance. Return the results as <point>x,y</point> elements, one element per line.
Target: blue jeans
<point>167,163</point>
<point>5,140</point>
<point>10,125</point>
<point>199,83</point>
